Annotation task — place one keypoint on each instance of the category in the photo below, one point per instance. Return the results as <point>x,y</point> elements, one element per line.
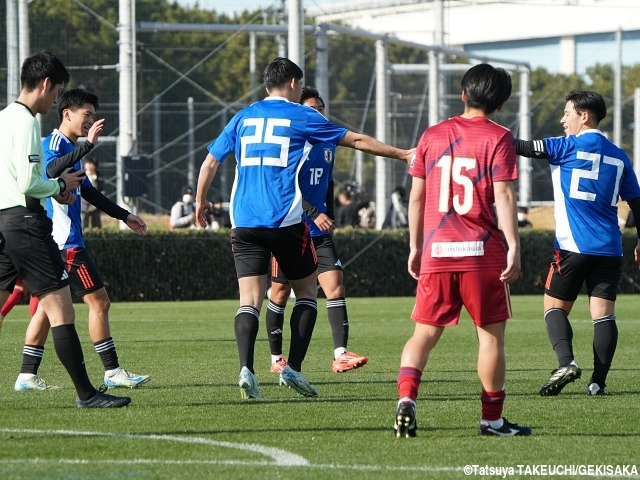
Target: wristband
<point>62,184</point>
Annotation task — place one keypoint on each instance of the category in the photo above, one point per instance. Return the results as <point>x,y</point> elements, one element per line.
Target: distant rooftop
<point>483,21</point>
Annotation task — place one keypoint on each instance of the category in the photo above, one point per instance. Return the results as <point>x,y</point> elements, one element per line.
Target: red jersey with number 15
<point>460,159</point>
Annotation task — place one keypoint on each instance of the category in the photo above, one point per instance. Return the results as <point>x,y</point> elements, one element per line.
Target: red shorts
<point>440,297</point>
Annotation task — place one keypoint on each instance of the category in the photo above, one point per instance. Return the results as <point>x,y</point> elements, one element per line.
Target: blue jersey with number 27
<point>271,139</point>
<point>590,174</point>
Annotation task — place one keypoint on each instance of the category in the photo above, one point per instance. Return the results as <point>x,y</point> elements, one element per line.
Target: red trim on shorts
<point>85,277</point>
<point>71,256</point>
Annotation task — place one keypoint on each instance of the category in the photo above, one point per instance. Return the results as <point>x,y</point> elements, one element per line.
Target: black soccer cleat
<point>506,430</point>
<point>405,424</point>
<point>103,400</point>
<point>559,378</point>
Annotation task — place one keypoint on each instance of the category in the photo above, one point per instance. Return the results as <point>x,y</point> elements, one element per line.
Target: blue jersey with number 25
<point>271,139</point>
<point>590,174</point>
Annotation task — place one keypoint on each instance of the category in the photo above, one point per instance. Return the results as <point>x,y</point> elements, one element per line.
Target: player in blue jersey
<point>77,109</point>
<point>316,184</point>
<point>590,174</point>
<point>271,140</point>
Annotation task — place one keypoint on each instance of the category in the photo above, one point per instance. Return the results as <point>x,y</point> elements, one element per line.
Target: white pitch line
<point>279,457</point>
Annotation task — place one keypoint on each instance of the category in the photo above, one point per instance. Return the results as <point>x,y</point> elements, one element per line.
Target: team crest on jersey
<point>34,158</point>
<point>328,155</point>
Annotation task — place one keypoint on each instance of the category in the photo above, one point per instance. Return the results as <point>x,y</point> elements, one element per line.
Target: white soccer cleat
<point>28,381</point>
<point>249,387</point>
<point>120,378</point>
<point>296,380</point>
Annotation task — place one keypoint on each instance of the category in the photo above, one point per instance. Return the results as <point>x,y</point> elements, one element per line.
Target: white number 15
<point>451,170</point>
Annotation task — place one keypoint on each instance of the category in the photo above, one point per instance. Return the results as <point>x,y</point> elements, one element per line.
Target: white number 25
<point>264,134</point>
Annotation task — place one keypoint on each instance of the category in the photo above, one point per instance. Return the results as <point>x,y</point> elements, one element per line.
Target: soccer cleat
<point>249,387</point>
<point>349,361</point>
<point>103,400</point>
<point>595,390</point>
<point>405,424</point>
<point>278,367</point>
<point>559,378</point>
<point>27,381</point>
<point>296,380</point>
<point>120,378</point>
<point>506,430</point>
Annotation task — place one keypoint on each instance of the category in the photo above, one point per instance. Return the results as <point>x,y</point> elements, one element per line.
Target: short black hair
<point>588,100</point>
<point>310,92</point>
<point>280,71</point>
<point>74,99</point>
<point>486,87</point>
<point>40,66</point>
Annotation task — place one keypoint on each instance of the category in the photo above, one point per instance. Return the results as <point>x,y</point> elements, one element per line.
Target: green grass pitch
<point>190,423</point>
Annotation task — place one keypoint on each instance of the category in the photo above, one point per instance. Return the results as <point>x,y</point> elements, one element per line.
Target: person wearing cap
<point>183,211</point>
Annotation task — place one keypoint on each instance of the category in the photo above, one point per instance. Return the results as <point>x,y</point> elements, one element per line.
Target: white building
<point>562,36</point>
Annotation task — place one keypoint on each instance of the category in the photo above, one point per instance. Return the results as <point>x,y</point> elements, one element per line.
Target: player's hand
<point>95,131</point>
<point>636,252</point>
<point>324,223</point>
<point>72,178</point>
<point>409,155</point>
<point>202,208</point>
<point>512,272</point>
<point>65,198</point>
<point>413,264</point>
<point>136,224</point>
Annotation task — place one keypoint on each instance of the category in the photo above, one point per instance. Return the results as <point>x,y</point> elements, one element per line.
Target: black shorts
<point>84,277</point>
<point>31,254</point>
<point>569,270</point>
<point>291,246</point>
<point>327,259</point>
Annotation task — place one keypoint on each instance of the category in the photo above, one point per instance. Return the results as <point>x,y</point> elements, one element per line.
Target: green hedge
<point>198,264</point>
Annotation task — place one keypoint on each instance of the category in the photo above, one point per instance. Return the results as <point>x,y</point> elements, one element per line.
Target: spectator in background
<point>219,217</point>
<point>183,211</point>
<point>346,210</point>
<point>399,217</point>
<point>91,213</point>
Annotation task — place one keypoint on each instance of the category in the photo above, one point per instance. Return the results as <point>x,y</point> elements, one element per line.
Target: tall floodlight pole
<point>383,168</point>
<point>296,34</point>
<point>636,131</point>
<point>23,30</point>
<point>617,92</point>
<point>127,95</point>
<point>13,60</point>
<point>524,163</point>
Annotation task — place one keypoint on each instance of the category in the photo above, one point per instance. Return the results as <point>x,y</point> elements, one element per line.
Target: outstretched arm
<point>365,143</point>
<point>531,148</point>
<point>101,202</point>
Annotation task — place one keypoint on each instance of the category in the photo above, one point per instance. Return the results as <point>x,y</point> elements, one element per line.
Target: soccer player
<point>590,174</point>
<point>271,139</point>
<point>30,248</point>
<point>316,185</point>
<point>77,109</point>
<point>462,184</point>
